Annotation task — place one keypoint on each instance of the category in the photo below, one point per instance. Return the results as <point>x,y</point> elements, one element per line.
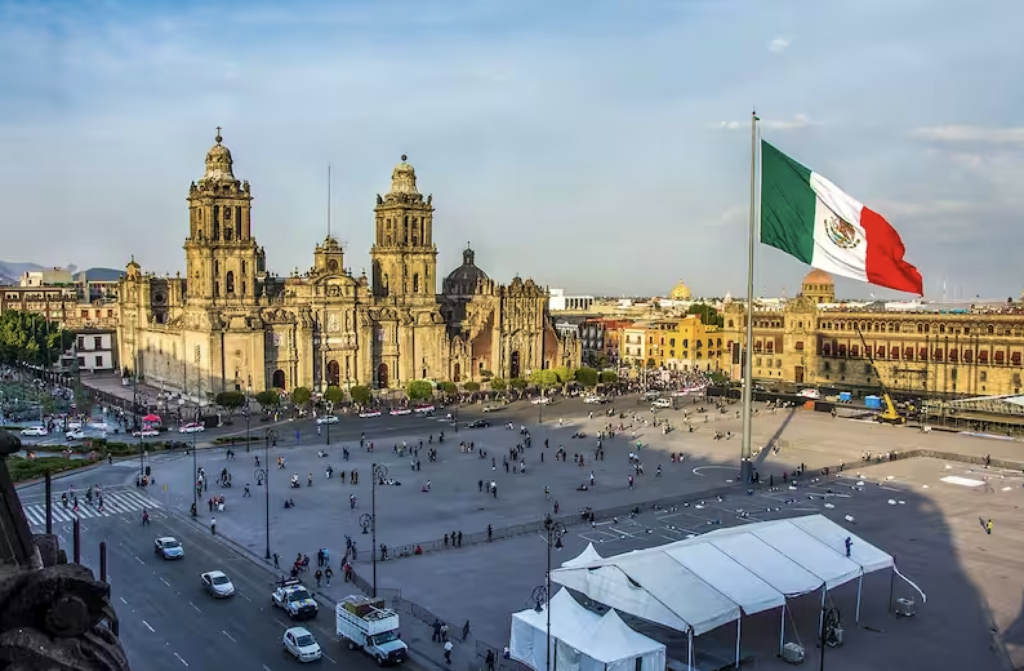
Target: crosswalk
<point>114,503</point>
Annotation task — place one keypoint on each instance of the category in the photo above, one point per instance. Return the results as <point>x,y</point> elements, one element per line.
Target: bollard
<point>103,561</point>
<point>49,504</point>
<point>77,542</point>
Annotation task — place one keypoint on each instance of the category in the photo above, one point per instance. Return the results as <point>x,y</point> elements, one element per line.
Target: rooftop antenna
<point>328,200</point>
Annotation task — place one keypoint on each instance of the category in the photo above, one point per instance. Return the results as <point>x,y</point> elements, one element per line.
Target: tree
<point>708,314</point>
<point>419,390</point>
<point>334,395</point>
<point>544,378</point>
<point>587,377</point>
<point>360,394</point>
<point>301,396</point>
<point>498,384</point>
<point>471,386</point>
<point>268,399</point>
<point>518,383</point>
<point>609,377</point>
<point>26,337</point>
<point>449,388</point>
<point>651,363</point>
<point>486,374</point>
<point>565,375</point>
<point>230,400</point>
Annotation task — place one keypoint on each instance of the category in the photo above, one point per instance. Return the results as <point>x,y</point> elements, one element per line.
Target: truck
<point>367,624</point>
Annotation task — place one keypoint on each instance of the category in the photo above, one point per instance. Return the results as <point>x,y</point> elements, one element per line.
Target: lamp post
<point>270,436</point>
<point>327,420</point>
<point>247,418</point>
<point>378,472</point>
<point>553,537</point>
<point>196,485</point>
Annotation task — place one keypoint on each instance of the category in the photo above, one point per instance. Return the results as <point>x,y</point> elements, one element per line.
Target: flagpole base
<point>746,471</point>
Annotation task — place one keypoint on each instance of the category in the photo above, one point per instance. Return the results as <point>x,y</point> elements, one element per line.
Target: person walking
<point>448,645</point>
<point>489,660</point>
<point>213,526</point>
<point>988,527</point>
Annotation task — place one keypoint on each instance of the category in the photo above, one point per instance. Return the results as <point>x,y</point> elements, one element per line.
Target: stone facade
<point>931,353</point>
<point>228,323</point>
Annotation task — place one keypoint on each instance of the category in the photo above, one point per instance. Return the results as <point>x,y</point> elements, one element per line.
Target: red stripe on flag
<point>885,264</point>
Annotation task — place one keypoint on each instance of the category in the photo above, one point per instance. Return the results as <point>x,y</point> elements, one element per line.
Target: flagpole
<point>746,467</point>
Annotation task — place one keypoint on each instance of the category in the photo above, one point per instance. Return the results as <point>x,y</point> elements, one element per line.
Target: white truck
<point>367,624</point>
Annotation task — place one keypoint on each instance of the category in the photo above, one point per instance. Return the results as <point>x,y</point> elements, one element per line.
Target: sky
<point>598,146</point>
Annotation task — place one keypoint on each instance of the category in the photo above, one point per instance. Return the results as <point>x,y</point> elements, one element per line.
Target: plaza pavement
<point>486,582</point>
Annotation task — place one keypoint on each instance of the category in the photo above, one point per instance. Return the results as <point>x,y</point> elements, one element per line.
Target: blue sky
<point>595,145</point>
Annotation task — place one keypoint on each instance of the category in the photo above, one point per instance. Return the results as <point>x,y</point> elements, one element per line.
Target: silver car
<point>217,584</point>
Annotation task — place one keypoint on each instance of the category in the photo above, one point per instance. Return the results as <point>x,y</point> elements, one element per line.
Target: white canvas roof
<point>587,556</point>
<point>704,582</point>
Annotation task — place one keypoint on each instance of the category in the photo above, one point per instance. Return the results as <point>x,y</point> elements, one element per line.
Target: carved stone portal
<point>53,615</point>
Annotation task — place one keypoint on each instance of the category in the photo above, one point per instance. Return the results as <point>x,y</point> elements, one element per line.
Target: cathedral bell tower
<point>222,257</point>
<point>403,254</point>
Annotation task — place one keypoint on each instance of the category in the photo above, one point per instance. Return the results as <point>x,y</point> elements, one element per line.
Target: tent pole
<point>860,589</point>
<point>892,585</point>
<point>821,615</point>
<point>782,630</point>
<point>689,652</point>
<point>739,631</point>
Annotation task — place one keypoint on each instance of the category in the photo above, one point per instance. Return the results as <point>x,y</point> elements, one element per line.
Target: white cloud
<point>797,122</point>
<point>779,44</point>
<point>977,134</point>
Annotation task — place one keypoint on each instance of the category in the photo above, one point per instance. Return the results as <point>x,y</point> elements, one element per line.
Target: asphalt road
<point>168,622</point>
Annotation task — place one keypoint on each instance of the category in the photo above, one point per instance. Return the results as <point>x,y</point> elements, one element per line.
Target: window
<point>827,366</point>
<point>855,350</point>
<point>81,362</point>
<point>85,314</point>
<point>968,356</point>
<point>1015,358</point>
<point>826,349</point>
<point>984,376</point>
<point>983,357</point>
<point>867,369</point>
<point>110,314</point>
<point>243,266</point>
<point>953,356</point>
<point>1000,356</point>
<point>416,283</point>
<point>97,342</point>
<point>99,362</point>
<point>81,342</point>
<point>842,350</point>
<point>880,351</point>
<point>894,352</point>
<point>908,353</point>
<point>778,363</point>
<point>922,353</point>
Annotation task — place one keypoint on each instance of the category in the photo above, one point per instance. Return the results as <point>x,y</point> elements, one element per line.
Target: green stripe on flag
<point>787,204</point>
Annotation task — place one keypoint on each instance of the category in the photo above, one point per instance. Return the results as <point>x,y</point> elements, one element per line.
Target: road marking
<point>230,637</point>
<point>329,659</point>
<point>195,606</point>
<point>139,560</point>
<point>180,659</point>
<point>149,626</point>
<point>266,667</point>
<point>244,596</point>
<point>280,623</point>
<point>164,581</point>
<point>123,601</point>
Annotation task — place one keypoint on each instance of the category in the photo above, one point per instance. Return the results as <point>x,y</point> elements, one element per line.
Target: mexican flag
<point>809,217</point>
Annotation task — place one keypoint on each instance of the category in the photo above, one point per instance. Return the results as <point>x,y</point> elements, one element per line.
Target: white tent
<point>581,640</point>
<point>586,557</point>
<point>699,584</point>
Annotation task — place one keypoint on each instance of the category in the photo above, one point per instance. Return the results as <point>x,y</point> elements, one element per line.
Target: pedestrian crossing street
<point>114,503</point>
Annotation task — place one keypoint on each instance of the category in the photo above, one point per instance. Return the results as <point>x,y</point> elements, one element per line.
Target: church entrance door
<point>279,379</point>
<point>513,366</point>
<point>382,376</point>
<point>457,373</point>
<point>333,373</point>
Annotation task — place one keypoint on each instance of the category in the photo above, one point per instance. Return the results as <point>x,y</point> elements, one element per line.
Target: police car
<point>293,598</point>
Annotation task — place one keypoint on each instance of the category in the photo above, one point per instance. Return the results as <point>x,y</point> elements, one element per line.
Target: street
<point>168,622</point>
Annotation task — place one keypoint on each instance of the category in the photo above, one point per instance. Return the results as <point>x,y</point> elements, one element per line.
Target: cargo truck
<point>369,625</point>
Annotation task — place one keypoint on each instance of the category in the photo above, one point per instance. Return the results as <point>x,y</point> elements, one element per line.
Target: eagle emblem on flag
<point>842,233</point>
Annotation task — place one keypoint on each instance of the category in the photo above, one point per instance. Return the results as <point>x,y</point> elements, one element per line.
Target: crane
<point>889,414</point>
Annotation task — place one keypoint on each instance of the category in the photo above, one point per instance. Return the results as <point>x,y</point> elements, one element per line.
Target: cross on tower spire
<point>218,138</point>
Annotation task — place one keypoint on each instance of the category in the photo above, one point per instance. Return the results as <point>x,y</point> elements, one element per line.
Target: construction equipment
<point>889,414</point>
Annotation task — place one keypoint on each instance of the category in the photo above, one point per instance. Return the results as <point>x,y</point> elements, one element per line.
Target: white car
<point>541,400</point>
<point>813,394</point>
<point>661,403</point>
<point>370,413</point>
<point>34,431</point>
<point>397,412</point>
<point>74,434</point>
<point>651,395</point>
<point>301,643</point>
<point>425,409</point>
<point>328,419</point>
<point>192,427</point>
<point>217,584</point>
<point>591,400</point>
<point>146,433</point>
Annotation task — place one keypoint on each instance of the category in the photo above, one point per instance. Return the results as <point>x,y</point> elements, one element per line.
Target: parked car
<point>328,419</point>
<point>146,433</point>
<point>302,644</point>
<point>541,400</point>
<point>34,431</point>
<point>192,427</point>
<point>75,434</point>
<point>812,394</point>
<point>370,413</point>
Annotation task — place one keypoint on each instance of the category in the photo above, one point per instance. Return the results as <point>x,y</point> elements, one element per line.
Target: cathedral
<point>230,324</point>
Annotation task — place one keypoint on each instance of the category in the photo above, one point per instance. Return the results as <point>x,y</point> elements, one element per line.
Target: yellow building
<point>811,340</point>
<point>685,344</point>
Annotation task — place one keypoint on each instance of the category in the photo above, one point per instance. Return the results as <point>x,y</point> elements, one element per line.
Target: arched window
<point>229,282</point>
<point>243,267</point>
<point>415,283</point>
<point>216,268</point>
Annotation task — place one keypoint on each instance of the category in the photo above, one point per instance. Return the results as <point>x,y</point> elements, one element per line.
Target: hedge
<point>22,469</point>
<point>232,440</point>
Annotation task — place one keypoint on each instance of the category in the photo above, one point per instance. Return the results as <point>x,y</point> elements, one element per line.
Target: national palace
<point>229,323</point>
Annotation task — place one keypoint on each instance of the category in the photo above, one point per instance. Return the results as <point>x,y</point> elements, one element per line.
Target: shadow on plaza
<point>485,581</point>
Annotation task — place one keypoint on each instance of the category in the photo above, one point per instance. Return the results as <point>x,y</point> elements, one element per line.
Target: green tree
<point>334,395</point>
<point>449,388</point>
<point>708,314</point>
<point>719,378</point>
<point>499,384</point>
<point>26,337</point>
<point>361,394</point>
<point>419,390</point>
<point>301,396</point>
<point>544,378</point>
<point>471,386</point>
<point>486,374</point>
<point>609,377</point>
<point>565,375</point>
<point>230,400</point>
<point>518,383</point>
<point>268,399</point>
<point>651,363</point>
<point>587,377</point>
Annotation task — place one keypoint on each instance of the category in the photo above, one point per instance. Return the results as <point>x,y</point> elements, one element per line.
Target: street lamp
<point>270,436</point>
<point>553,537</point>
<point>247,417</point>
<point>378,472</point>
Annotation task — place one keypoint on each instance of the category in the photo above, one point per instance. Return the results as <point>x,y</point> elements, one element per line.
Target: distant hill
<point>100,274</point>
<point>11,271</point>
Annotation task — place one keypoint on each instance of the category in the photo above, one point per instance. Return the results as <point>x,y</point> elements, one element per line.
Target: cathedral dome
<point>463,280</point>
<point>680,292</point>
<point>817,276</point>
<point>218,161</point>
<point>403,178</point>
